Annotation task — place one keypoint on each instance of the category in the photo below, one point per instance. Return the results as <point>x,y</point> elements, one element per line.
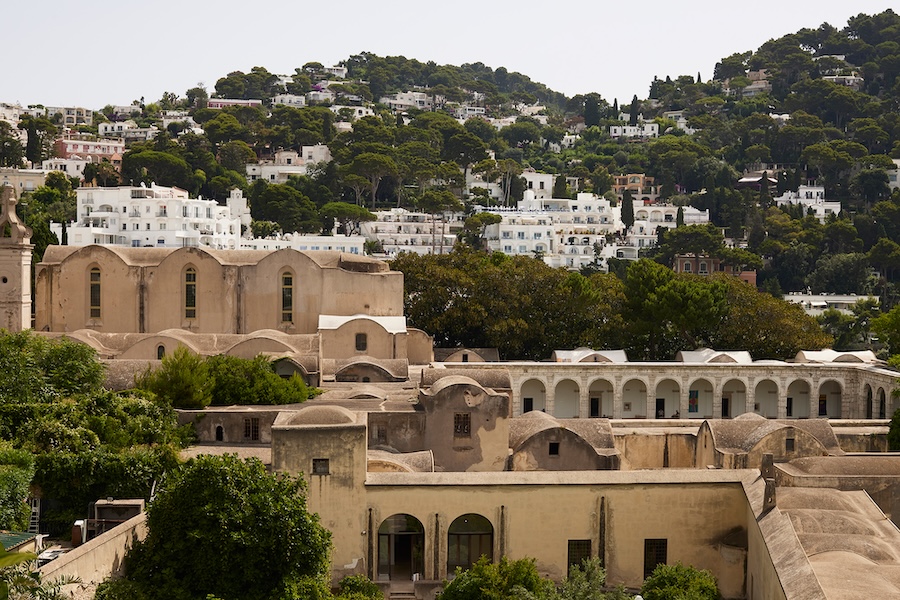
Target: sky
<point>98,52</point>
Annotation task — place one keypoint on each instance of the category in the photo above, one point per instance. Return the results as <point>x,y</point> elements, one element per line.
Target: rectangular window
<point>527,405</point>
<point>251,429</point>
<point>95,293</point>
<point>362,342</point>
<point>321,466</point>
<point>579,551</point>
<point>554,449</point>
<point>595,407</point>
<point>287,298</point>
<point>655,552</point>
<point>190,294</point>
<point>789,444</point>
<point>790,407</point>
<point>381,434</point>
<point>462,425</point>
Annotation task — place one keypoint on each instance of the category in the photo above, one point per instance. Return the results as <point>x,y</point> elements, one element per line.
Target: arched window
<point>160,352</point>
<point>190,293</point>
<point>287,298</point>
<point>362,342</point>
<point>95,293</point>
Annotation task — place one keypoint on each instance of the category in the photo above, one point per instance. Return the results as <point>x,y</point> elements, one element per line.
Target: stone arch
<point>401,548</point>
<point>830,397</point>
<point>469,537</point>
<point>601,393</point>
<point>566,397</point>
<point>798,399</point>
<point>533,395</point>
<point>765,398</point>
<point>700,398</point>
<point>882,404</point>
<point>634,399</point>
<point>734,398</point>
<point>668,399</point>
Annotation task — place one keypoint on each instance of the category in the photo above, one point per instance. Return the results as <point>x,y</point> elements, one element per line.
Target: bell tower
<point>15,265</point>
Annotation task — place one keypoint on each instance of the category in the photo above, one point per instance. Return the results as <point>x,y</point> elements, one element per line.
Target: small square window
<point>462,425</point>
<point>554,448</point>
<point>320,466</point>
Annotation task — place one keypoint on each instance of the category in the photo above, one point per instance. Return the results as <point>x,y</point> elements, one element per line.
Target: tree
<point>182,381</point>
<point>894,432</point>
<point>505,579</point>
<point>252,381</point>
<point>634,111</point>
<point>348,215</point>
<point>627,209</point>
<point>224,527</point>
<point>560,187</point>
<point>374,167</point>
<point>235,155</point>
<point>438,201</point>
<point>11,150</point>
<point>587,581</point>
<point>680,582</point>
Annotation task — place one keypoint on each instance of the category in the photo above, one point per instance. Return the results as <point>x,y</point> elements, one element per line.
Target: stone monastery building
<point>773,475</point>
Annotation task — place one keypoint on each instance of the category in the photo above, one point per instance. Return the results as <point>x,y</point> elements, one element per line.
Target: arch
<point>700,399</point>
<point>363,370</point>
<point>469,537</point>
<point>566,399</point>
<point>401,547</point>
<point>601,394</point>
<point>765,399</point>
<point>220,433</point>
<point>534,396</point>
<point>882,404</point>
<point>734,398</point>
<point>668,399</point>
<point>798,400</point>
<point>869,411</point>
<point>160,352</point>
<point>634,399</point>
<point>830,395</point>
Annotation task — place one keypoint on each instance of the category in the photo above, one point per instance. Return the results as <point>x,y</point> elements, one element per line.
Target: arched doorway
<point>401,548</point>
<point>668,399</point>
<point>734,398</point>
<point>830,399</point>
<point>601,398</point>
<point>766,399</point>
<point>798,400</point>
<point>634,399</point>
<point>882,404</point>
<point>700,399</point>
<point>469,538</point>
<point>220,433</point>
<point>533,396</point>
<point>565,399</point>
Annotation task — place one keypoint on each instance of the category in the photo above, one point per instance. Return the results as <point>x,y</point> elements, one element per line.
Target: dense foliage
<point>224,527</point>
<point>528,310</point>
<point>187,380</point>
<point>680,582</point>
<point>520,579</point>
<point>69,438</point>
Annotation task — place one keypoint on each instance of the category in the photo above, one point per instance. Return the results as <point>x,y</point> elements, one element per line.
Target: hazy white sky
<point>97,52</point>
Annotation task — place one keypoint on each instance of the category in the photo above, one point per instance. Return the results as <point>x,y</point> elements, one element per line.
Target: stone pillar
<point>15,265</point>
<point>782,399</point>
<point>717,398</point>
<point>550,397</point>
<point>618,395</point>
<point>584,400</point>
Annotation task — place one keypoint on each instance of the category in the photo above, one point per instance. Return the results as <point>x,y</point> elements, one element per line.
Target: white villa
<point>154,216</point>
<point>812,199</point>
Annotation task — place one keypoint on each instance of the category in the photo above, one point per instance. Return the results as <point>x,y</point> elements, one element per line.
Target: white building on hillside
<point>812,199</point>
<point>539,183</point>
<point>353,244</point>
<point>154,216</point>
<point>400,230</point>
<point>288,163</point>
